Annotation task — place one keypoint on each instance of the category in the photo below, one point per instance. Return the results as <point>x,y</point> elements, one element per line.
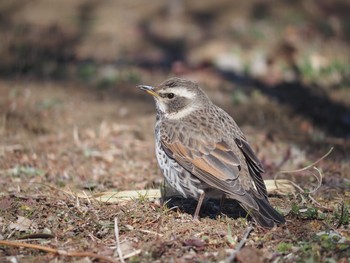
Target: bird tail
<point>266,215</point>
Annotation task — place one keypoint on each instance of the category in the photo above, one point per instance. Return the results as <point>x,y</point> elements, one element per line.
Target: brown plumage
<point>202,152</point>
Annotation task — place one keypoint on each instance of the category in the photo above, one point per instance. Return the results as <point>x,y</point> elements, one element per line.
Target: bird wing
<point>254,165</point>
<point>214,163</point>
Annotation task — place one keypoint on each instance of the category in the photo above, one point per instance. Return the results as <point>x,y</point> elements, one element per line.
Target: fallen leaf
<point>249,255</point>
<point>127,247</point>
<point>83,260</point>
<point>5,203</point>
<point>22,224</point>
<point>196,243</point>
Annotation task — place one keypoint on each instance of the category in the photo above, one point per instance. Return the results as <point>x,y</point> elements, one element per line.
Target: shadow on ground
<point>310,102</point>
<point>210,208</point>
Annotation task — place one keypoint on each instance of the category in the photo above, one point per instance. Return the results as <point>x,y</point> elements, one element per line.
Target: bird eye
<point>170,95</point>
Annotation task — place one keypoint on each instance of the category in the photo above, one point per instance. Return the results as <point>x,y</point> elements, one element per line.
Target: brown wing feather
<point>254,166</point>
<point>218,167</point>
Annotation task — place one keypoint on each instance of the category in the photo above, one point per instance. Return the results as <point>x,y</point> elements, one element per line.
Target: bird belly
<point>177,177</point>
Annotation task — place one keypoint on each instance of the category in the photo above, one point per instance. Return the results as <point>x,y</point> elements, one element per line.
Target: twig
<point>27,197</point>
<point>87,197</point>
<point>309,166</point>
<point>37,236</point>
<point>150,232</point>
<point>286,157</point>
<point>321,207</point>
<point>131,254</point>
<point>153,221</point>
<point>234,252</point>
<point>76,137</point>
<point>319,179</point>
<point>11,234</point>
<point>116,233</point>
<point>57,251</point>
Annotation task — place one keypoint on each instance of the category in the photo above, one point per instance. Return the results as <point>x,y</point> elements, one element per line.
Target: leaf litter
<point>67,150</point>
<point>48,193</point>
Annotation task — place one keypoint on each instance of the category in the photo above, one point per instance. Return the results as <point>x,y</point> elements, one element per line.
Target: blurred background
<point>68,71</point>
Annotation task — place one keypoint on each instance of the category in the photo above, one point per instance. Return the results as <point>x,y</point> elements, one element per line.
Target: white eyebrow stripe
<point>183,92</point>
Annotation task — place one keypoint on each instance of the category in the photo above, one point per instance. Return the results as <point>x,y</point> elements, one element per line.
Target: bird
<point>202,152</point>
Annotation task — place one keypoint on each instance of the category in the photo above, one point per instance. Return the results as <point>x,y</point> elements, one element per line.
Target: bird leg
<point>199,204</point>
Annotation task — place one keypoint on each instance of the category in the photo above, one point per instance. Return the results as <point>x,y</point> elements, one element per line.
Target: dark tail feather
<point>266,216</point>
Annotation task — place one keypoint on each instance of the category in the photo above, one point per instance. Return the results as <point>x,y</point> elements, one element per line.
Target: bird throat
<point>180,114</point>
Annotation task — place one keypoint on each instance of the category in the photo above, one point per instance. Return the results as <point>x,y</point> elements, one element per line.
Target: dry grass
<point>111,156</point>
<point>71,121</point>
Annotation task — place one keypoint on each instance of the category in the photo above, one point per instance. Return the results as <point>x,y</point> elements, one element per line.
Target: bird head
<point>176,98</point>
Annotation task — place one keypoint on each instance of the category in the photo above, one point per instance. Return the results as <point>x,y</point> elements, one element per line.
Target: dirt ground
<point>72,120</point>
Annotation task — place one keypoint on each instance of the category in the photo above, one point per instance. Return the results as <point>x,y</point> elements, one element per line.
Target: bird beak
<point>148,89</point>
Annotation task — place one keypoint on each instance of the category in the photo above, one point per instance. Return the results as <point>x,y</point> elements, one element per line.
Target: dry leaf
<point>248,255</point>
<point>22,224</point>
<point>196,243</point>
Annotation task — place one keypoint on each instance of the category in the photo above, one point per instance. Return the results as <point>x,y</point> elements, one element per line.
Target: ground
<point>73,121</point>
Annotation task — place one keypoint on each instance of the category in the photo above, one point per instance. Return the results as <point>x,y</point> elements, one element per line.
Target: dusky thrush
<point>203,153</point>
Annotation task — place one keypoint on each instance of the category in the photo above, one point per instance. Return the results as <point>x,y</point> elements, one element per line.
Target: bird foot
<point>196,219</point>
